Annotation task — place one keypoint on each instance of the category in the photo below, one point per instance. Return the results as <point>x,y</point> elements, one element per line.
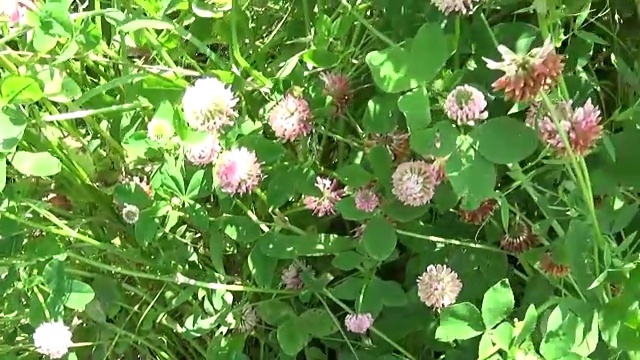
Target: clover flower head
<point>414,182</point>
<point>366,200</point>
<point>337,86</point>
<point>248,320</point>
<point>209,105</point>
<point>464,7</point>
<point>552,267</point>
<point>239,171</point>
<point>439,286</point>
<point>480,214</point>
<point>520,240</point>
<point>292,275</point>
<point>160,130</point>
<point>52,339</point>
<point>130,213</point>
<point>205,152</point>
<point>525,76</point>
<point>466,105</point>
<point>290,118</point>
<point>358,323</point>
<point>582,126</point>
<point>325,204</point>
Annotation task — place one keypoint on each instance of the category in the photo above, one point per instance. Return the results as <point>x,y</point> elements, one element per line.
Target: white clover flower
<point>52,339</point>
<point>130,213</point>
<point>209,105</point>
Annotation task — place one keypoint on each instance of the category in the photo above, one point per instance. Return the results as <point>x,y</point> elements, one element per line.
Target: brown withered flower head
<point>520,239</point>
<point>397,142</point>
<point>526,75</point>
<point>480,214</point>
<point>337,86</point>
<point>552,267</point>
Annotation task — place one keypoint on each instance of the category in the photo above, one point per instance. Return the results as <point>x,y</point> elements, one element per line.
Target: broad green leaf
<point>502,335</point>
<point>528,325</point>
<point>404,213</point>
<point>282,184</point>
<point>349,211</point>
<point>379,238</point>
<point>216,251</point>
<point>292,336</point>
<point>20,89</point>
<point>347,260</point>
<point>504,140</point>
<point>55,19</point>
<point>146,228</point>
<point>438,140</point>
<point>240,228</point>
<point>318,322</point>
<point>349,289</point>
<point>429,52</point>
<point>390,69</point>
<point>381,163</point>
<point>80,294</point>
<point>416,108</point>
<point>3,174</point>
<point>282,246</point>
<point>381,114</point>
<point>459,322</point>
<point>262,267</point>
<point>497,304</point>
<point>36,164</point>
<point>472,177</point>
<point>274,312</point>
<point>354,175</point>
<point>12,125</point>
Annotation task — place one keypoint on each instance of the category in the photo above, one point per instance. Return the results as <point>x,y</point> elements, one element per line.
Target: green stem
<point>368,25</point>
<point>440,240</point>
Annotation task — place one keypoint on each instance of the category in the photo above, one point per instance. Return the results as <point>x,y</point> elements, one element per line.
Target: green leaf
<point>55,20</point>
<point>528,325</point>
<point>354,175</point>
<point>504,140</point>
<point>381,114</point>
<point>20,89</point>
<point>390,69</point>
<point>3,174</point>
<point>12,125</point>
<point>382,164</point>
<point>282,246</point>
<point>429,52</point>
<point>216,251</point>
<point>459,322</point>
<point>318,322</point>
<point>379,238</point>
<point>282,184</point>
<point>241,229</point>
<point>347,260</point>
<point>80,294</point>
<point>146,228</point>
<point>497,304</point>
<point>349,211</point>
<point>274,312</point>
<point>472,177</point>
<point>292,336</point>
<point>349,289</point>
<point>404,213</point>
<point>36,164</point>
<point>262,267</point>
<point>416,108</point>
<point>439,140</point>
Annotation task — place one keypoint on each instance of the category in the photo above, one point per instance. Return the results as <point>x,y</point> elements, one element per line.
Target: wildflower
<point>358,323</point>
<point>521,240</point>
<point>52,339</point>
<point>205,152</point>
<point>414,182</point>
<point>458,6</point>
<point>439,286</point>
<point>291,276</point>
<point>248,320</point>
<point>525,76</point>
<point>15,9</point>
<point>466,104</point>
<point>59,201</point>
<point>551,267</point>
<point>130,213</point>
<point>209,105</point>
<point>582,126</point>
<point>290,118</point>
<point>359,231</point>
<point>239,171</point>
<point>366,200</point>
<point>396,142</point>
<point>336,86</point>
<point>160,130</point>
<point>480,214</point>
<point>325,205</point>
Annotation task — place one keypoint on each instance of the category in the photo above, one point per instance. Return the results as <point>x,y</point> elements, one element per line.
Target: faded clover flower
<point>292,276</point>
<point>130,213</point>
<point>439,286</point>
<point>205,152</point>
<point>480,214</point>
<point>239,171</point>
<point>366,200</point>
<point>291,118</point>
<point>337,86</point>
<point>397,142</point>
<point>466,105</point>
<point>52,339</point>
<point>331,194</point>
<point>160,130</point>
<point>582,126</point>
<point>247,320</point>
<point>525,76</point>
<point>552,267</point>
<point>463,7</point>
<point>414,182</point>
<point>520,240</point>
<point>209,105</point>
<point>358,323</point>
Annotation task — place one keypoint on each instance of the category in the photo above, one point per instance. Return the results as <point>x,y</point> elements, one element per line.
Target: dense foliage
<point>314,179</point>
